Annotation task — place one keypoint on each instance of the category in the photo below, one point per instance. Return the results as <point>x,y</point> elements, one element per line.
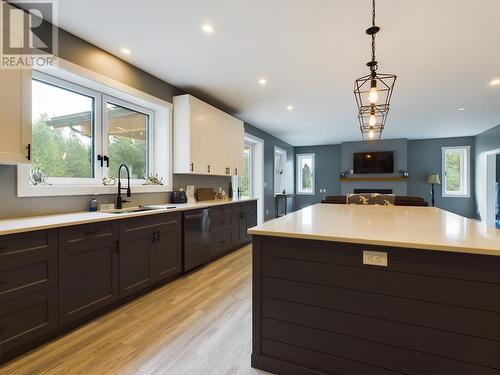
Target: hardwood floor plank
<point>197,324</point>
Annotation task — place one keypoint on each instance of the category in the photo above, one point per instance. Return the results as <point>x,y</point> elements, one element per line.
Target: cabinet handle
<point>90,232</point>
<point>236,171</point>
<point>158,236</point>
<point>209,168</point>
<point>117,248</point>
<point>154,237</point>
<point>192,167</point>
<point>28,147</point>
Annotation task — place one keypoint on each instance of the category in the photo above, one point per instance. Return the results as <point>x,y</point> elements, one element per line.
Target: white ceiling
<point>445,53</point>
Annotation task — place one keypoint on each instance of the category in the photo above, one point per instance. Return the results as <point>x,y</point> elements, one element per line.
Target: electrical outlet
<point>375,258</point>
<point>267,212</point>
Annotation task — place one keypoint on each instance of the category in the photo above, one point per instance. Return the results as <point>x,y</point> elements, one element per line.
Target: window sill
<point>65,190</point>
<point>455,195</point>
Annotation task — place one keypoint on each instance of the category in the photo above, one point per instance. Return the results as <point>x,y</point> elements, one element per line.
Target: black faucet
<point>119,200</point>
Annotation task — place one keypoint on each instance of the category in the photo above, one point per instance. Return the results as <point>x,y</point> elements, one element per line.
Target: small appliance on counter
<point>178,197</point>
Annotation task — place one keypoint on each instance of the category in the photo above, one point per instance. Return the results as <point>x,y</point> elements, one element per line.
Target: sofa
<point>400,200</point>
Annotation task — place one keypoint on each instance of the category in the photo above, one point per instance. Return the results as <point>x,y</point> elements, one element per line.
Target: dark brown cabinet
<point>28,264</point>
<point>53,280</point>
<point>26,319</point>
<point>168,253</point>
<point>247,219</point>
<point>150,250</point>
<point>88,271</point>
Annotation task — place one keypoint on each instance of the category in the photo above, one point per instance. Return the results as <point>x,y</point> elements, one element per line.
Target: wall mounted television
<point>373,162</point>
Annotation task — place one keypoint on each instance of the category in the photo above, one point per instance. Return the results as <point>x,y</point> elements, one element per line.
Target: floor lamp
<point>433,179</point>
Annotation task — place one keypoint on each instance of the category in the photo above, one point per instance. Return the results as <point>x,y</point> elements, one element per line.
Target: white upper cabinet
<point>15,112</point>
<point>206,140</point>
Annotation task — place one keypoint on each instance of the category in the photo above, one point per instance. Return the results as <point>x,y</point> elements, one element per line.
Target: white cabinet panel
<point>206,140</point>
<point>15,115</point>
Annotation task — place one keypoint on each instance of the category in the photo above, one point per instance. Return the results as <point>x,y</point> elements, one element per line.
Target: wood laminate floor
<point>197,324</point>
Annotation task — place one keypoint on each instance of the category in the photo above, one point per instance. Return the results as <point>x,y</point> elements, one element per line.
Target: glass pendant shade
<point>371,122</point>
<point>374,90</point>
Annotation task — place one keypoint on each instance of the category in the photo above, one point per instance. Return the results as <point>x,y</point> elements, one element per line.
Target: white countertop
<point>29,224</point>
<point>409,227</point>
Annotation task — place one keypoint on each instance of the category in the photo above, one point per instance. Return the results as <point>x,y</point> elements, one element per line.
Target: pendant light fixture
<point>373,93</point>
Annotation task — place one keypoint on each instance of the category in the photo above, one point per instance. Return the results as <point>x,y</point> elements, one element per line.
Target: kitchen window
<point>305,174</point>
<point>82,133</point>
<point>456,171</point>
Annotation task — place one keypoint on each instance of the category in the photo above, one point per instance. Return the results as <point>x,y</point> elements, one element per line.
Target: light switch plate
<point>375,258</point>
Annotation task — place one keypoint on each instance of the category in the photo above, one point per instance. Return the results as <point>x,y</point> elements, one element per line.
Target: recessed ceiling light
<point>462,109</point>
<point>289,107</point>
<point>495,82</point>
<point>262,81</point>
<point>207,28</point>
<point>125,51</point>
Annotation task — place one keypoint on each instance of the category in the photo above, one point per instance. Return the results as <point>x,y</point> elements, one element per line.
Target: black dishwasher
<point>196,238</point>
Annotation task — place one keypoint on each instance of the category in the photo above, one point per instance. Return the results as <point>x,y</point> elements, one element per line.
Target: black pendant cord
<point>373,27</point>
<point>372,31</point>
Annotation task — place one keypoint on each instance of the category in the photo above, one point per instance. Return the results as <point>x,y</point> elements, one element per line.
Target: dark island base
<point>317,309</point>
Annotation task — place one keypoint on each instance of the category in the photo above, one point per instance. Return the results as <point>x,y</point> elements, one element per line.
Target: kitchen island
<point>344,289</point>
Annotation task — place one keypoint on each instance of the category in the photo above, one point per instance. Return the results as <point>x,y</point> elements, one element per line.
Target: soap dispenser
<point>93,204</point>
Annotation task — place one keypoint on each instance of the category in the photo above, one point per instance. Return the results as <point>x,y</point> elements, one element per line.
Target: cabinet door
<point>136,260</point>
<point>237,146</point>
<point>167,256</point>
<point>88,278</point>
<point>15,119</point>
<point>15,105</point>
<point>198,140</point>
<point>26,319</point>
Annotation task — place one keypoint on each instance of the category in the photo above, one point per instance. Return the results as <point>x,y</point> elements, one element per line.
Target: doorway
<point>488,187</point>
<point>251,183</point>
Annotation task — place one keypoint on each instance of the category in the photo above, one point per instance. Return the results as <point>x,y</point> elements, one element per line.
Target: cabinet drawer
<point>222,209</point>
<point>153,222</point>
<point>221,242</point>
<point>88,232</point>
<point>24,275</point>
<point>220,221</point>
<point>15,245</point>
<point>26,319</point>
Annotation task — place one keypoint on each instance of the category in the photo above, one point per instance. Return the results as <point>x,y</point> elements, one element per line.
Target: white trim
<point>465,167</point>
<point>257,173</point>
<point>299,174</point>
<point>285,172</point>
<point>161,133</point>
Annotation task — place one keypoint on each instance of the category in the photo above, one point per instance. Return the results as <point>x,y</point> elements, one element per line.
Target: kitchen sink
<point>131,210</point>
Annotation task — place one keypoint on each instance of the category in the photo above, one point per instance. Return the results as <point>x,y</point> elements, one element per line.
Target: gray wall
<point>269,143</point>
<point>498,168</point>
<point>82,53</point>
<point>327,169</point>
<point>425,157</point>
<point>400,163</point>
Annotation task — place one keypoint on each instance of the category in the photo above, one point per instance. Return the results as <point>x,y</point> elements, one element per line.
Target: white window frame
<point>279,189</point>
<point>299,174</point>
<point>150,130</point>
<point>465,168</point>
<point>82,80</point>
